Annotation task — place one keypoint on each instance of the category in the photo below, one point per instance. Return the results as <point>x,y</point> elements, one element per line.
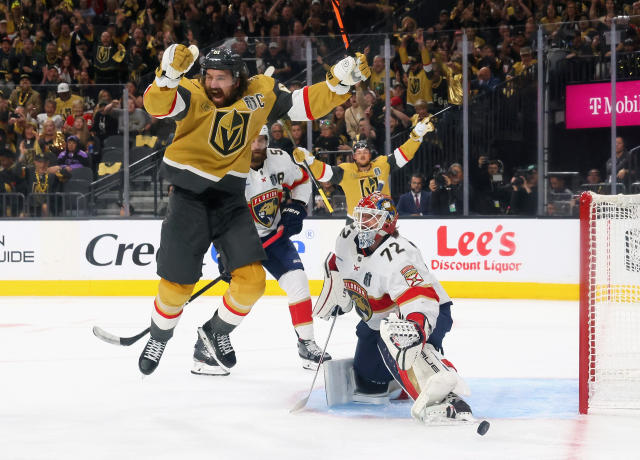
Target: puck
<point>483,428</point>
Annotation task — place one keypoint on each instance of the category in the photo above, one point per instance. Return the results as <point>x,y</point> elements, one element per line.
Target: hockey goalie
<point>404,314</point>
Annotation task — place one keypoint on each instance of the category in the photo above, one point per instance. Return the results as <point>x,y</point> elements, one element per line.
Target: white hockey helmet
<point>264,131</point>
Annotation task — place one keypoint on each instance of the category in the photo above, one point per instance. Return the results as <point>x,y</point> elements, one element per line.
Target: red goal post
<point>609,370</point>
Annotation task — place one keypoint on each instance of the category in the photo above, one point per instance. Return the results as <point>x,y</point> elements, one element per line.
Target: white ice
<point>66,395</point>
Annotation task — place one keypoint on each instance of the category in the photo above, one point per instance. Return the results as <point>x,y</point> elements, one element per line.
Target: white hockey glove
<point>333,294</point>
<point>347,73</point>
<point>176,61</point>
<point>421,128</point>
<point>300,155</point>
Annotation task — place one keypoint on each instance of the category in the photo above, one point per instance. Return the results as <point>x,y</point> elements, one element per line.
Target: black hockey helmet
<point>362,144</point>
<point>224,59</point>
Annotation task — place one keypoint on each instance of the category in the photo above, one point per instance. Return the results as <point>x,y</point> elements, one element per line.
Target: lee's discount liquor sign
<point>589,106</point>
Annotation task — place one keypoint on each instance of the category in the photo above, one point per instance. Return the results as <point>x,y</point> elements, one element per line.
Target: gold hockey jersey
<point>358,184</point>
<point>212,145</point>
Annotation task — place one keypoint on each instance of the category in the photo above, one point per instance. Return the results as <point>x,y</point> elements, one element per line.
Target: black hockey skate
<point>310,353</point>
<point>204,363</point>
<point>150,356</point>
<point>458,408</point>
<point>218,346</point>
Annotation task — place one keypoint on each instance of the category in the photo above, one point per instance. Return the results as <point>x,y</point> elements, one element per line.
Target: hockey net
<point>609,302</point>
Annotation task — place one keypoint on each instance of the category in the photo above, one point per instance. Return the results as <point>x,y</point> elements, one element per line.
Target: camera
<point>439,176</point>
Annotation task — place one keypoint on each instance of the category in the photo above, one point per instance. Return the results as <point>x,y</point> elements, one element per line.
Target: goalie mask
<point>375,216</point>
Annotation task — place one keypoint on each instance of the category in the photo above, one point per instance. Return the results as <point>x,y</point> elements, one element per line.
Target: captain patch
<point>411,275</point>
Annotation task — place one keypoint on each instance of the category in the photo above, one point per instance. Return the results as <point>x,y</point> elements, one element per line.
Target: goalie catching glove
<point>347,73</point>
<point>333,299</point>
<point>176,61</point>
<point>291,217</point>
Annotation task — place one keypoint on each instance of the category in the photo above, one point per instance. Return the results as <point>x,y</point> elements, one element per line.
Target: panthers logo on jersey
<point>229,133</point>
<point>359,297</point>
<point>264,207</point>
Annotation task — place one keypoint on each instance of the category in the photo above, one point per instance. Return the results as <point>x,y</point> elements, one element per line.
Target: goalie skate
<point>311,354</point>
<point>204,363</point>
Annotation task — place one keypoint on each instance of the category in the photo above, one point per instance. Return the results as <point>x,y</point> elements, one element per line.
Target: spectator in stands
<point>50,82</point>
<point>41,182</point>
<point>104,125</point>
<point>352,117</point>
<point>65,100</point>
<point>524,198</point>
<point>107,59</point>
<point>49,114</point>
<point>28,147</point>
<point>72,157</point>
<point>25,96</point>
<point>277,139</point>
<point>492,195</point>
<point>298,135</point>
<point>50,140</point>
<point>279,60</point>
<point>328,141</point>
<point>447,199</point>
<point>593,176</point>
<point>560,197</point>
<point>340,126</point>
<point>365,132</point>
<point>77,111</point>
<point>29,63</point>
<point>139,119</point>
<point>417,201</point>
<point>334,195</point>
<point>624,169</point>
<point>485,81</point>
<point>16,125</point>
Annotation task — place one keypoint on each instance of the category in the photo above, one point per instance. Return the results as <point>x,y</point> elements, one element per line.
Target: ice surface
<point>66,395</point>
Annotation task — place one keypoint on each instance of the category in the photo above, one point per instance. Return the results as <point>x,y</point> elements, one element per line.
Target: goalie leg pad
<point>403,339</point>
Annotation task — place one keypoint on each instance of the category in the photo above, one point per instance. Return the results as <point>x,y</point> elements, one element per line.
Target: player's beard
<point>219,98</point>
<point>258,157</point>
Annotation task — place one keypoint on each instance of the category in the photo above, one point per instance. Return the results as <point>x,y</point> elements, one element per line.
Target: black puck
<point>483,428</point>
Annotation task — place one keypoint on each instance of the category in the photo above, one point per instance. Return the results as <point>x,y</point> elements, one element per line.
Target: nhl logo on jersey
<point>264,207</point>
<point>411,275</point>
<point>229,133</point>
<point>359,296</point>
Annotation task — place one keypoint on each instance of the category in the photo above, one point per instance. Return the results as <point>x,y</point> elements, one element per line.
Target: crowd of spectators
<point>64,64</point>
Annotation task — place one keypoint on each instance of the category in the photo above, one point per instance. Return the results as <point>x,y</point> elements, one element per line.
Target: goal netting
<point>609,302</point>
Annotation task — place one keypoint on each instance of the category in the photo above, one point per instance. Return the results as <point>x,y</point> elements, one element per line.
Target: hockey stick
<point>343,31</point>
<point>308,169</point>
<point>126,341</point>
<point>303,402</point>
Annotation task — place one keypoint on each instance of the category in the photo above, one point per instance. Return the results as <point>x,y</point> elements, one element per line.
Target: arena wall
<point>477,258</point>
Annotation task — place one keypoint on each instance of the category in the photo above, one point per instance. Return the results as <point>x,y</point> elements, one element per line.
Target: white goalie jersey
<point>265,185</point>
<point>394,278</point>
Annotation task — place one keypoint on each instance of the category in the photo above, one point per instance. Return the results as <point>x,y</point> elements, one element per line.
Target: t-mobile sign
<point>589,106</point>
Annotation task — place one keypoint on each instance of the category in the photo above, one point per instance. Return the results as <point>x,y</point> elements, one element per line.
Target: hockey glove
<point>176,61</point>
<point>421,128</point>
<point>301,154</point>
<point>292,215</point>
<point>347,73</point>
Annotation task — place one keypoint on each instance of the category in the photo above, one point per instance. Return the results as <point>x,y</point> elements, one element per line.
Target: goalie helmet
<point>224,59</point>
<point>374,217</point>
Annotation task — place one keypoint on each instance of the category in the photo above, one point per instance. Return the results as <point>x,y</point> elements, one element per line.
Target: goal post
<point>609,369</point>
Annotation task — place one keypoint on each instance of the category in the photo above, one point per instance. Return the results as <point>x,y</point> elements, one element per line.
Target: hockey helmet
<point>374,217</point>
<point>224,59</point>
<point>264,131</point>
<point>362,144</point>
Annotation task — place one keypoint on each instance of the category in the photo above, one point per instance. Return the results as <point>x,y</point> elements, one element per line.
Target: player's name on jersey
<point>487,265</point>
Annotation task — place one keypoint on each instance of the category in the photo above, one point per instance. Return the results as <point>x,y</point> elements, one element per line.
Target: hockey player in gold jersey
<point>217,116</point>
<point>362,177</point>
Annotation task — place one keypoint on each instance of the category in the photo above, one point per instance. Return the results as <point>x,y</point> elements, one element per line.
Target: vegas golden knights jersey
<point>212,145</point>
<point>418,87</point>
<point>358,184</point>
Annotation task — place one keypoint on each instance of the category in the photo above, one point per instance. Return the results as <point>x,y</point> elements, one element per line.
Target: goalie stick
<point>126,341</point>
<point>303,402</point>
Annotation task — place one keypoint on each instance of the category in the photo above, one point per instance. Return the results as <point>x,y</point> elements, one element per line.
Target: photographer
<point>524,198</point>
<point>447,198</point>
<point>492,194</point>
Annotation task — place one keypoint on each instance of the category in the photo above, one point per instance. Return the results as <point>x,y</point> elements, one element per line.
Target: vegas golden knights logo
<point>414,86</point>
<point>103,53</point>
<point>229,132</point>
<point>368,185</point>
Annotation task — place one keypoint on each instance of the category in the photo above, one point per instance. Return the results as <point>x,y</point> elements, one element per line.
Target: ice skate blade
<point>200,368</point>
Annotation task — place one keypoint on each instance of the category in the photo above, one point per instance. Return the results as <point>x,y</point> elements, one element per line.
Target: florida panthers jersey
<point>265,185</point>
<point>394,278</point>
